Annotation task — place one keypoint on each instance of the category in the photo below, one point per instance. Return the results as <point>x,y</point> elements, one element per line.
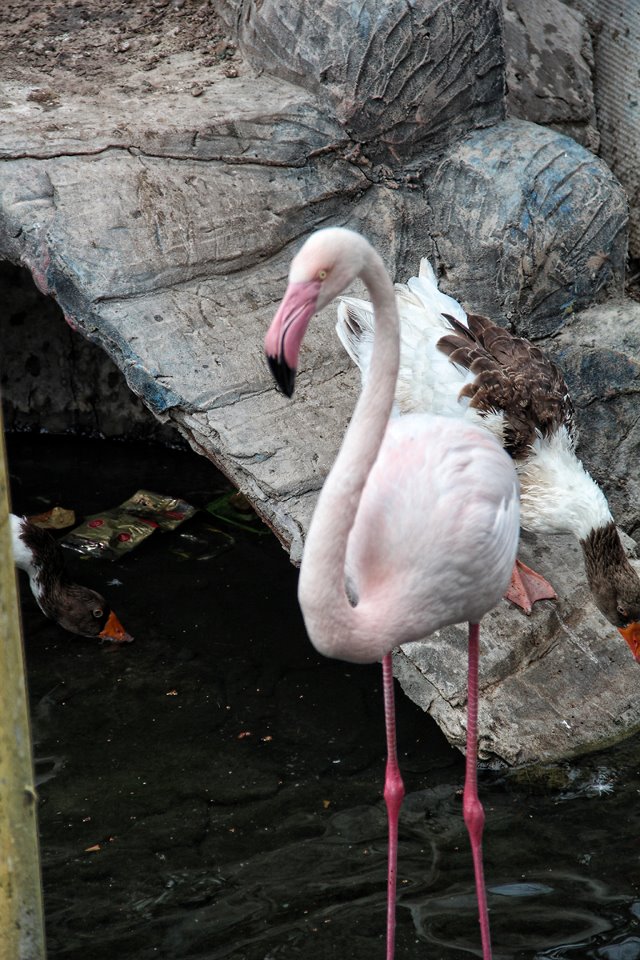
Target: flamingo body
<point>433,540</point>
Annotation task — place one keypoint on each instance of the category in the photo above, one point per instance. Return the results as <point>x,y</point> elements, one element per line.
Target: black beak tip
<point>283,374</point>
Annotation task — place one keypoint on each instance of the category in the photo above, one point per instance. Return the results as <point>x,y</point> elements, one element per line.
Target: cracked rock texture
<point>615,30</point>
<point>550,68</point>
<point>156,180</point>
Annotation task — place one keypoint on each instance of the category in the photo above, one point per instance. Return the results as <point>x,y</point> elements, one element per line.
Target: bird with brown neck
<point>74,607</point>
<point>613,582</point>
<point>468,367</point>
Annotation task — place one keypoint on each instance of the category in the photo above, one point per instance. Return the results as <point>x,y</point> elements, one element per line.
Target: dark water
<point>214,789</point>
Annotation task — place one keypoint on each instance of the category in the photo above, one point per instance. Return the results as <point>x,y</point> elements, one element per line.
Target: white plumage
<point>557,493</point>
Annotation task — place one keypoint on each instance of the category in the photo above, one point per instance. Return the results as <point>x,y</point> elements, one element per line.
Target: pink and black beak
<point>284,375</point>
<point>631,634</point>
<point>287,330</point>
<point>114,631</point>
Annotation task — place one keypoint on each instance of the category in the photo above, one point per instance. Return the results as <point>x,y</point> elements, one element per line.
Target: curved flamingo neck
<point>334,626</point>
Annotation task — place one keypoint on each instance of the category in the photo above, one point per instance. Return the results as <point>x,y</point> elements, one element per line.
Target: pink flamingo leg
<point>393,796</point>
<point>472,808</point>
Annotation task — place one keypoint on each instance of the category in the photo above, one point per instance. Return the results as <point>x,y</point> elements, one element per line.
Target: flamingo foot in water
<point>527,586</point>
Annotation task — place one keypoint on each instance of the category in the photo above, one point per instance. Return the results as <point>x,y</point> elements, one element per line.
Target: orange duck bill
<point>632,636</point>
<point>114,631</point>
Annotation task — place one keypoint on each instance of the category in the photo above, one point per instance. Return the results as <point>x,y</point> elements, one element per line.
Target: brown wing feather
<point>512,376</point>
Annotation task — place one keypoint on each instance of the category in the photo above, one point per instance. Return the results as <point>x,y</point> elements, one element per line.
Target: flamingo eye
<point>322,274</point>
<point>98,613</point>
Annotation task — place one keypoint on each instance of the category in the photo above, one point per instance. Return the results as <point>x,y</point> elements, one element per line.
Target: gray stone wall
<point>550,68</point>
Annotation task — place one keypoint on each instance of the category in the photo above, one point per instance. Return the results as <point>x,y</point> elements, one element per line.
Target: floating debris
<point>116,531</point>
<point>166,512</point>
<point>193,547</point>
<point>57,518</point>
<point>235,509</point>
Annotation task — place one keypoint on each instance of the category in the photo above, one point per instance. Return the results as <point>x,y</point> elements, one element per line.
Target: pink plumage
<point>416,526</point>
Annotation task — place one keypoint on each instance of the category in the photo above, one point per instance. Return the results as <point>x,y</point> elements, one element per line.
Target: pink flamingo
<point>416,526</point>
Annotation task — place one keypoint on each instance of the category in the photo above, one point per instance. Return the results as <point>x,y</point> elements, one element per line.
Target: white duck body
<point>23,557</point>
<point>557,493</point>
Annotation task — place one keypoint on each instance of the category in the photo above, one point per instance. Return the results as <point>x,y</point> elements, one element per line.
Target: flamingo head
<point>327,263</point>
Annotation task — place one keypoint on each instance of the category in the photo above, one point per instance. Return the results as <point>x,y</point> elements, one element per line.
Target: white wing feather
<point>558,495</point>
<point>427,380</point>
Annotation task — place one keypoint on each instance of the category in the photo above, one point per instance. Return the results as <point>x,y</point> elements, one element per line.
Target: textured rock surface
<point>599,352</point>
<point>543,693</point>
<point>615,28</point>
<point>163,219</point>
<point>528,226</point>
<point>550,68</point>
<point>398,75</point>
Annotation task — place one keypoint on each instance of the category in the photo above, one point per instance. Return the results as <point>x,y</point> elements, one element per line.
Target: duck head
<point>614,583</point>
<point>620,603</point>
<point>76,608</point>
<point>83,611</point>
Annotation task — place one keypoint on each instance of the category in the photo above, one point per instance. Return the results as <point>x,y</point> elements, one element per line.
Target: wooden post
<point>21,915</point>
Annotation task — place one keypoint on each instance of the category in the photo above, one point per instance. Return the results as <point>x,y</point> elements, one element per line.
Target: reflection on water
<point>562,877</point>
<point>214,790</point>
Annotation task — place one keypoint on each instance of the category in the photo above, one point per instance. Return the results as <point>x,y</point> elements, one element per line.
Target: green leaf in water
<point>223,508</point>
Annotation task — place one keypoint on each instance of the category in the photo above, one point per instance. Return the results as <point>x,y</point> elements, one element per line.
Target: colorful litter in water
<point>57,518</point>
<point>116,531</point>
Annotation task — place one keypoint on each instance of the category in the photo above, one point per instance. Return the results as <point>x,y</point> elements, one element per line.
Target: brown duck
<point>467,366</point>
<point>74,607</point>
